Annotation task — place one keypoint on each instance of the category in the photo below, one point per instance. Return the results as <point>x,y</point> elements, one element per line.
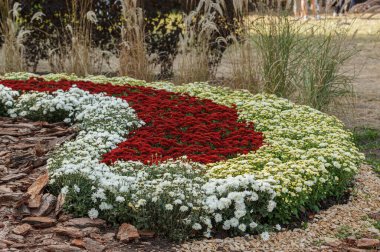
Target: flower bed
<point>176,124</point>
<point>226,183</point>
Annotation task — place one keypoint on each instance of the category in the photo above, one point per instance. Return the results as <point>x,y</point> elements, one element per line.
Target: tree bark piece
<point>48,204</point>
<point>40,222</point>
<point>37,187</point>
<point>127,233</point>
<point>12,177</point>
<point>22,229</point>
<point>71,232</point>
<point>85,222</point>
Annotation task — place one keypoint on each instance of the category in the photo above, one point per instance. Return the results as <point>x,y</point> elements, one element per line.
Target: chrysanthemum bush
<point>307,156</point>
<point>95,112</point>
<point>172,198</point>
<point>7,96</point>
<point>308,153</point>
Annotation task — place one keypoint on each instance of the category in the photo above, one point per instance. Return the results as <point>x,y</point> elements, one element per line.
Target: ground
<point>366,64</point>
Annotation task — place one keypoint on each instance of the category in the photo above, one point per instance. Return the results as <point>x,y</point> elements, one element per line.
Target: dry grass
<point>274,54</point>
<point>133,59</point>
<point>242,64</point>
<point>12,51</point>
<point>76,53</point>
<point>197,60</point>
<point>193,54</point>
<point>194,45</point>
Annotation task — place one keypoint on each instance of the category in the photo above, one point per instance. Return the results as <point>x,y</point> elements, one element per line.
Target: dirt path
<point>367,85</point>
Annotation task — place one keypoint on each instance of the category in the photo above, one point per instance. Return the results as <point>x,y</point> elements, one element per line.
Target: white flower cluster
<point>237,203</point>
<point>174,190</point>
<point>94,112</point>
<point>84,152</point>
<point>7,99</point>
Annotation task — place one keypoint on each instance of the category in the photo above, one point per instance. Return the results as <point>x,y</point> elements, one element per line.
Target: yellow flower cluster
<point>307,152</point>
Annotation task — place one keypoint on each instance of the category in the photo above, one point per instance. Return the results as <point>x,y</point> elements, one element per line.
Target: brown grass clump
<point>12,51</point>
<point>242,64</point>
<point>199,57</point>
<point>133,59</point>
<point>76,53</point>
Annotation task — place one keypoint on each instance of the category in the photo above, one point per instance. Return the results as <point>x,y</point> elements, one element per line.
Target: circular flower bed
<point>185,160</point>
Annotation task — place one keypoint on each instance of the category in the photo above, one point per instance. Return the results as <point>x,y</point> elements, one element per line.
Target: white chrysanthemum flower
<point>218,218</point>
<point>271,205</point>
<point>141,202</point>
<point>184,208</point>
<point>169,207</point>
<point>264,236</point>
<point>67,120</point>
<point>76,189</point>
<point>207,234</point>
<point>309,183</point>
<point>105,206</point>
<point>226,225</point>
<point>254,196</point>
<point>234,222</point>
<point>93,213</point>
<point>197,226</point>
<point>65,190</point>
<point>240,213</point>
<point>253,225</point>
<point>178,202</point>
<point>120,199</point>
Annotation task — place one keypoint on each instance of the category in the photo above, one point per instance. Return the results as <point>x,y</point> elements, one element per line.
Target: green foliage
<point>368,141</point>
<point>377,225</point>
<point>344,232</point>
<point>278,41</point>
<point>12,37</point>
<point>303,62</point>
<point>322,82</point>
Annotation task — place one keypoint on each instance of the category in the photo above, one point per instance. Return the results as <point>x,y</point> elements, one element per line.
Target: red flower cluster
<point>176,124</point>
